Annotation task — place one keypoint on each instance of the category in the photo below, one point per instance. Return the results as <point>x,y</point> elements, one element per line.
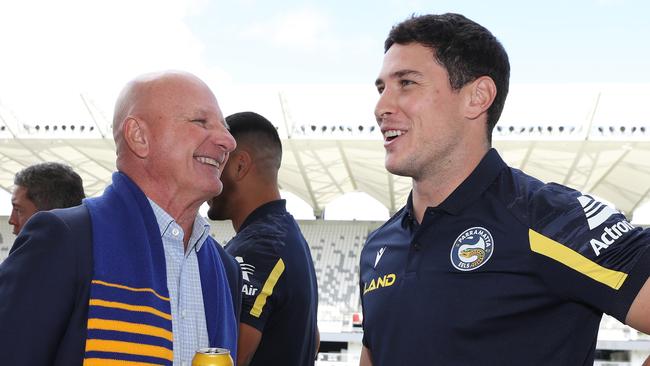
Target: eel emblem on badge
<point>472,249</point>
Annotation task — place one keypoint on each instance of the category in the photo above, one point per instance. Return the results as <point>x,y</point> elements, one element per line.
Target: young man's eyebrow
<point>398,74</point>
<point>402,73</point>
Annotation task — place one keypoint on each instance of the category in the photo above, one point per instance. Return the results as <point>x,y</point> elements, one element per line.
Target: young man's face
<point>419,114</point>
<point>23,209</point>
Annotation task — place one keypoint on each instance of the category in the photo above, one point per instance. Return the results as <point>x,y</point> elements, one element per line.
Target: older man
<point>131,276</point>
<point>42,187</point>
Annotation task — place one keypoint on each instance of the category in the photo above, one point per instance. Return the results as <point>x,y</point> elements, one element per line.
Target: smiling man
<point>132,276</point>
<point>485,265</point>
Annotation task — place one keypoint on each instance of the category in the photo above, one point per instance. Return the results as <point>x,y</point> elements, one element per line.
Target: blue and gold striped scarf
<point>129,317</point>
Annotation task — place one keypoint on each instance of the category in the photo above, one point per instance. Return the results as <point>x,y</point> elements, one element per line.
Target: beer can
<point>212,357</point>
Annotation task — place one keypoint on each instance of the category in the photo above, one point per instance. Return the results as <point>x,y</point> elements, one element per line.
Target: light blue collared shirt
<point>184,284</point>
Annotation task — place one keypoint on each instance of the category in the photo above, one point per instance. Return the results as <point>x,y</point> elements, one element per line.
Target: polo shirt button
<point>175,232</point>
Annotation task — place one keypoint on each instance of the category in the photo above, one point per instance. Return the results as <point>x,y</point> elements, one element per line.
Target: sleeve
<point>587,251</point>
<point>38,288</point>
<point>235,281</point>
<point>262,291</point>
<point>364,337</point>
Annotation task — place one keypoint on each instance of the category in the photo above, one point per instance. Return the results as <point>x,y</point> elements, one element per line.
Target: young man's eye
<point>406,82</point>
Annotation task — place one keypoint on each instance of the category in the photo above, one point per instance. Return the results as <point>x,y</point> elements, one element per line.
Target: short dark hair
<point>464,48</point>
<point>51,185</point>
<point>257,133</point>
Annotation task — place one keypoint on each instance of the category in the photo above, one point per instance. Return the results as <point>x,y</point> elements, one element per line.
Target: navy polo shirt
<point>280,294</point>
<point>506,271</point>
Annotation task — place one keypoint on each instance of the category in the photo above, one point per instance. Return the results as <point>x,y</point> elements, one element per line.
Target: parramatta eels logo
<point>472,249</point>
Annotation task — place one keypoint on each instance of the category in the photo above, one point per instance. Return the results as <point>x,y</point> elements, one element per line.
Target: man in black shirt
<point>280,294</point>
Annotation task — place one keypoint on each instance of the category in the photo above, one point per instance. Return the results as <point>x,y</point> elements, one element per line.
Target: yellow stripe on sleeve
<point>110,362</point>
<point>129,307</point>
<point>267,289</point>
<point>574,260</point>
<point>134,289</point>
<point>128,327</point>
<point>130,348</point>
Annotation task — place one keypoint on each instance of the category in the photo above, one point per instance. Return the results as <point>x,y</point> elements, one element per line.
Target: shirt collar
<point>265,209</point>
<point>470,189</point>
<point>200,227</point>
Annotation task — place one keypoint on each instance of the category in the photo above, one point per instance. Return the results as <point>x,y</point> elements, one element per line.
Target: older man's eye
<point>200,121</point>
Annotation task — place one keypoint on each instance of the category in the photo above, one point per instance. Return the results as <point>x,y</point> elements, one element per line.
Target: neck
<point>183,214</point>
<point>182,208</point>
<point>433,189</point>
<point>249,203</point>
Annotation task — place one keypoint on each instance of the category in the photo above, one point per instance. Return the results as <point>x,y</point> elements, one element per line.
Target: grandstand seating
<point>335,247</point>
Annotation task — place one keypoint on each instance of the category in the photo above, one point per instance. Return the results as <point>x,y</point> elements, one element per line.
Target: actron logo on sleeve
<point>596,214</point>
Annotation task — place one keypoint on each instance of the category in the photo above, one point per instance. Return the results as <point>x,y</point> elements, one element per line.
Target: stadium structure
<point>591,137</point>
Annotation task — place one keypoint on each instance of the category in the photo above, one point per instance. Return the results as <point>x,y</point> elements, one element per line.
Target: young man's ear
<point>482,92</point>
<point>242,163</point>
<point>135,136</point>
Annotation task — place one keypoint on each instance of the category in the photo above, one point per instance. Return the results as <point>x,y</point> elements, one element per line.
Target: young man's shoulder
<point>532,201</point>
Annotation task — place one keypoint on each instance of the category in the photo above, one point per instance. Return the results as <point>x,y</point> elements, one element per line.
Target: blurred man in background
<point>43,187</point>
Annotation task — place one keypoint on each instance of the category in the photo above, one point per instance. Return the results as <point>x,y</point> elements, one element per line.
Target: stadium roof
<point>594,138</point>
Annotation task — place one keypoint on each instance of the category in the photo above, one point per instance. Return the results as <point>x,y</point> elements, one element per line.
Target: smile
<point>391,134</point>
<point>207,160</point>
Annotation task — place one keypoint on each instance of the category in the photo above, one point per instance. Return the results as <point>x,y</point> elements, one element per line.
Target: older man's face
<point>22,209</point>
<point>190,142</point>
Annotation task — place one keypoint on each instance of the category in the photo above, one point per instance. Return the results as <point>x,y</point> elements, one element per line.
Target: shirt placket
<point>175,249</point>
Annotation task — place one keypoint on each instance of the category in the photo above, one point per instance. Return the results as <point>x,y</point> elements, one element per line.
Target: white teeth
<point>393,133</point>
<point>206,160</point>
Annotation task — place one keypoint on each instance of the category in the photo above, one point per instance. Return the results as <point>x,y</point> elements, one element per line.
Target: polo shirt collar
<point>472,187</point>
<point>265,209</point>
<point>475,184</point>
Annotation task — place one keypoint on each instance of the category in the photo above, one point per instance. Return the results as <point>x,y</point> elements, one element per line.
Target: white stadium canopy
<point>595,138</point>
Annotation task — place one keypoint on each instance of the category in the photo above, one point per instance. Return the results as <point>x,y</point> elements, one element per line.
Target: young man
<point>132,276</point>
<point>43,187</point>
<point>280,294</point>
<point>485,265</point>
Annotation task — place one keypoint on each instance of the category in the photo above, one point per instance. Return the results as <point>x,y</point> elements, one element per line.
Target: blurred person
<point>280,296</point>
<point>43,187</point>
<point>131,277</point>
<point>485,265</point>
